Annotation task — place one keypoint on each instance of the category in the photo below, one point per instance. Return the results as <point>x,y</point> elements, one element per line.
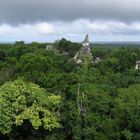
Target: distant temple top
<point>86,41</point>
<point>85,50</point>
<point>85,45</point>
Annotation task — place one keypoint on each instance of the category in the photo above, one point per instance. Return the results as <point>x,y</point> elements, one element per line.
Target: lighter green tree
<point>21,101</point>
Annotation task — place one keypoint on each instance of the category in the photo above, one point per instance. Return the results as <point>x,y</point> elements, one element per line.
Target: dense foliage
<point>45,95</point>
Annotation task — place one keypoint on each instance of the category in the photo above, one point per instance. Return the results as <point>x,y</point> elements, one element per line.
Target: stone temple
<point>85,50</point>
<point>137,65</point>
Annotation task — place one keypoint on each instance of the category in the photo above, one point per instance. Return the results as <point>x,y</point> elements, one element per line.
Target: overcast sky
<point>49,20</point>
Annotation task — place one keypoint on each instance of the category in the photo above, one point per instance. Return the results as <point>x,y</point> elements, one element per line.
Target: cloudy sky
<point>49,20</point>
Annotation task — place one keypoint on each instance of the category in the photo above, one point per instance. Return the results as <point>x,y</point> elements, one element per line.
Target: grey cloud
<point>24,11</point>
